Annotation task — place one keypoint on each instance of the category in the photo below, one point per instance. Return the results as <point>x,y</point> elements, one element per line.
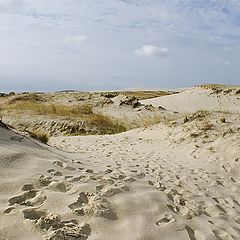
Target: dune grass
<point>31,97</point>
<point>51,109</point>
<point>103,124</point>
<point>150,120</point>
<point>41,136</point>
<point>140,95</point>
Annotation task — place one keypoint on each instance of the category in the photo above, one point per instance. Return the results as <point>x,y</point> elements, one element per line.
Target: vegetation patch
<point>51,109</point>
<point>79,119</point>
<point>107,125</point>
<point>32,97</point>
<point>140,95</point>
<point>41,136</point>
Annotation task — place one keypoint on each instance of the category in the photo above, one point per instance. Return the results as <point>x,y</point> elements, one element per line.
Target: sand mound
<point>200,98</point>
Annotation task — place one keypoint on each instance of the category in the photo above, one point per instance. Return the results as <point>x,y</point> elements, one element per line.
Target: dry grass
<point>200,123</point>
<point>32,97</point>
<point>220,86</point>
<point>140,95</point>
<point>107,125</point>
<point>51,109</point>
<point>201,114</point>
<point>146,121</point>
<point>43,137</point>
<point>99,123</point>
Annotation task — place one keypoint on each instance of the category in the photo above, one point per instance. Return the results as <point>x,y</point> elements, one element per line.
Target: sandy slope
<point>199,98</point>
<point>178,182</point>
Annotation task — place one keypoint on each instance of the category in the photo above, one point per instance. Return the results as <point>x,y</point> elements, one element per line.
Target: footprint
<point>174,209</point>
<point>71,232</point>
<point>28,187</point>
<point>78,179</point>
<point>38,200</point>
<point>49,220</point>
<point>190,233</point>
<point>57,186</point>
<point>82,199</point>
<point>106,181</point>
<point>54,172</point>
<point>9,210</point>
<point>64,165</point>
<point>22,199</point>
<point>58,163</point>
<point>67,230</point>
<point>165,220</point>
<point>33,214</point>
<point>17,138</point>
<point>89,170</point>
<point>44,181</point>
<point>93,204</point>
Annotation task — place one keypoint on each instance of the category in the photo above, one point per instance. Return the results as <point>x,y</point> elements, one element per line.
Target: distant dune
<point>217,98</point>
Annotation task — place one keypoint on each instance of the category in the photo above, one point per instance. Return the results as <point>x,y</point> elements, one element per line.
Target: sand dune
<point>176,180</point>
<point>200,98</point>
<point>162,182</point>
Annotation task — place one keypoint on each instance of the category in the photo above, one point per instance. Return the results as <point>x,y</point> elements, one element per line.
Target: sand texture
<point>200,98</point>
<point>171,181</point>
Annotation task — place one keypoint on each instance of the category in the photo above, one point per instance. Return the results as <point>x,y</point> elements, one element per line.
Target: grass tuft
<point>43,137</point>
<point>106,124</point>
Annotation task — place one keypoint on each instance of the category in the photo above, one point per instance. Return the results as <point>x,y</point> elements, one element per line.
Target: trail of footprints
<point>220,210</point>
<point>33,195</point>
<point>189,193</point>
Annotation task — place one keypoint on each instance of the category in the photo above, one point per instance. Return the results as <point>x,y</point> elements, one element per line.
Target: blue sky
<point>111,44</point>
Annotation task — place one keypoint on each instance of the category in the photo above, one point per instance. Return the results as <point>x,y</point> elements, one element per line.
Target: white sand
<point>197,98</point>
<point>178,182</point>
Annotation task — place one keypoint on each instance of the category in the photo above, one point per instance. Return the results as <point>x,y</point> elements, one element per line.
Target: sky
<point>48,45</point>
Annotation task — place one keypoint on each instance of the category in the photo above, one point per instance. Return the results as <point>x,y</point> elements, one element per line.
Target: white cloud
<point>10,6</point>
<point>151,51</point>
<point>75,41</point>
<point>106,33</point>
